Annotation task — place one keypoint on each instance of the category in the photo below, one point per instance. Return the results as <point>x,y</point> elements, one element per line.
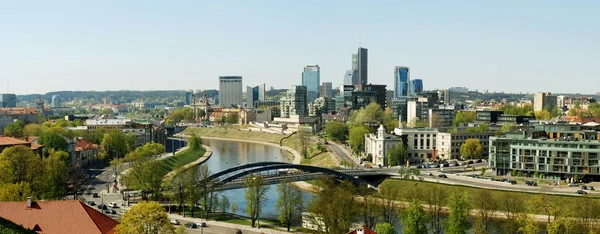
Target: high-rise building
<point>311,78</point>
<point>416,86</point>
<point>401,81</point>
<point>544,100</point>
<point>8,100</point>
<point>230,91</point>
<point>294,102</point>
<point>326,89</point>
<point>188,97</point>
<point>254,94</point>
<point>351,77</point>
<point>55,100</point>
<point>363,60</point>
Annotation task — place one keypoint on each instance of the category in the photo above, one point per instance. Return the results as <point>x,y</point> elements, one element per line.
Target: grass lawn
<point>180,159</point>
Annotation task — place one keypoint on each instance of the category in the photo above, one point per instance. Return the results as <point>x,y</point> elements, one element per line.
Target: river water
<point>228,154</point>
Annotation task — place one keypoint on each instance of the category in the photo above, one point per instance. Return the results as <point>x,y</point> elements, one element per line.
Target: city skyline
<point>483,46</point>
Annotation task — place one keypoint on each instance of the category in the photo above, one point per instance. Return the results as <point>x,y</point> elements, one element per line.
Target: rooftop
<point>107,122</point>
<point>61,217</point>
<point>7,141</point>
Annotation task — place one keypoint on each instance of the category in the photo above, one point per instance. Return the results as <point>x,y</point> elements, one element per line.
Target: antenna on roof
<point>359,42</point>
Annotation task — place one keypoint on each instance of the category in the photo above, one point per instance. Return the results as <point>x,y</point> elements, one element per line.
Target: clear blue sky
<point>514,46</point>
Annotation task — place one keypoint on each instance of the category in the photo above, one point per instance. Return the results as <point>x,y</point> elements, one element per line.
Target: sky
<point>511,46</point>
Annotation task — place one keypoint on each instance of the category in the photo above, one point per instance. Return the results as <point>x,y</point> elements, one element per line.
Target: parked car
<point>445,165</point>
<point>109,211</point>
<point>428,174</point>
<point>112,205</point>
<point>573,185</point>
<point>191,225</point>
<point>584,187</point>
<point>175,221</point>
<point>470,162</point>
<point>442,176</point>
<point>456,164</point>
<point>203,224</point>
<point>91,203</point>
<point>511,182</point>
<point>581,192</point>
<point>478,161</point>
<point>530,183</point>
<point>368,166</point>
<point>95,195</point>
<point>102,207</point>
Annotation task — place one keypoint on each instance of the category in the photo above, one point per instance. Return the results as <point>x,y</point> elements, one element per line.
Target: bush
<point>369,158</point>
<point>513,173</point>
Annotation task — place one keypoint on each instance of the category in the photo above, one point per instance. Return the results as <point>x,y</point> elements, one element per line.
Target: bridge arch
<point>242,167</point>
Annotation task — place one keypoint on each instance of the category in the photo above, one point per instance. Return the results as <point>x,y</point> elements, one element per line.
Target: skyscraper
<point>326,89</point>
<point>544,100</point>
<point>188,97</point>
<point>230,91</point>
<point>401,81</point>
<point>55,101</point>
<point>363,72</point>
<point>416,86</point>
<point>8,100</point>
<point>351,77</point>
<point>311,78</point>
<point>254,94</point>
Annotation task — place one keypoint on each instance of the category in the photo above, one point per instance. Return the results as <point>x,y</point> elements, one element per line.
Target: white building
<point>448,144</point>
<point>421,143</point>
<point>377,145</point>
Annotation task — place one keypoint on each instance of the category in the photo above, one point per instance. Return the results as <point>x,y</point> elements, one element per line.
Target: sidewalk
<point>244,228</point>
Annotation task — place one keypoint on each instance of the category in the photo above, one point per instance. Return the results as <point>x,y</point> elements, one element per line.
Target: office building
<point>188,97</point>
<point>360,62</point>
<point>311,78</point>
<point>416,86</point>
<point>440,118</point>
<point>323,105</point>
<point>378,144</point>
<point>8,100</point>
<point>401,81</point>
<point>445,96</point>
<point>254,94</point>
<point>448,144</point>
<point>230,91</point>
<point>326,89</point>
<point>544,100</point>
<point>421,143</point>
<point>55,101</point>
<point>294,102</point>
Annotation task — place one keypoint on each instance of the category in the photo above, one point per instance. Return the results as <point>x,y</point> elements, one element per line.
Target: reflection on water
<point>228,154</point>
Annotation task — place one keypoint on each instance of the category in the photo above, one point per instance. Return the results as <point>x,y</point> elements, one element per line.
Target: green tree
<point>303,136</point>
<point>527,224</point>
<point>233,208</point>
<point>371,113</point>
<point>14,129</point>
<point>15,192</point>
<point>55,176</point>
<point>181,230</point>
<point>20,164</point>
<point>177,187</point>
<point>416,123</point>
<point>224,204</point>
<point>334,205</point>
<point>54,138</point>
<point>471,148</point>
<point>114,141</point>
<point>463,117</point>
<point>385,228</point>
<point>543,115</point>
<point>232,118</point>
<point>486,205</point>
<point>192,178</point>
<point>389,121</point>
<point>336,130</point>
<point>435,198</point>
<point>145,217</point>
<point>357,137</point>
<point>130,141</point>
<point>526,110</point>
<point>459,213</point>
<point>416,219</point>
<point>195,142</point>
<point>289,203</point>
<point>397,154</point>
<point>256,197</point>
<point>32,130</point>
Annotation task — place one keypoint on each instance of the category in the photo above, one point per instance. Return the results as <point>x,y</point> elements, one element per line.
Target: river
<point>228,154</point>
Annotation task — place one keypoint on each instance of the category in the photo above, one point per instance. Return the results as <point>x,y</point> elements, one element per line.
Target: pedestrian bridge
<point>275,172</point>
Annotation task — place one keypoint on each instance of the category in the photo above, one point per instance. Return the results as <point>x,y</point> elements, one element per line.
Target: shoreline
<point>199,161</point>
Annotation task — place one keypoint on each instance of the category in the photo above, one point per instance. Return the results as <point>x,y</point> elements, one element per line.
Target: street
<point>342,153</point>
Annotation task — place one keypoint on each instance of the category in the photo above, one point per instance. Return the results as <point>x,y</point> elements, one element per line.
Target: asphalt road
<point>341,153</point>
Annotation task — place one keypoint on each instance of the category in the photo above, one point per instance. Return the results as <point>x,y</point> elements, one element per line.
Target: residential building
<point>498,117</point>
<point>401,81</point>
<point>270,103</point>
<point>416,86</point>
<point>362,62</point>
<point>7,142</point>
<point>55,101</point>
<point>311,79</point>
<point>254,94</point>
<point>378,144</point>
<point>248,116</point>
<point>294,103</point>
<point>544,100</point>
<point>399,108</point>
<point>8,100</point>
<point>57,217</point>
<point>326,90</point>
<point>448,144</point>
<point>323,105</point>
<point>389,97</point>
<point>85,152</point>
<point>26,114</point>
<point>488,116</point>
<point>445,96</point>
<point>421,143</point>
<point>230,91</point>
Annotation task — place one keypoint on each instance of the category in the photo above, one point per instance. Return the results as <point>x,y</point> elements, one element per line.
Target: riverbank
<point>200,160</point>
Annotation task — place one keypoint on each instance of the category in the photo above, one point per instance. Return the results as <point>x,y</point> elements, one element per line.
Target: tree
<point>20,164</point>
<point>32,130</point>
<point>14,129</point>
<point>388,121</point>
<point>181,230</point>
<point>256,197</point>
<point>206,187</point>
<point>386,196</point>
<point>56,170</point>
<point>145,217</point>
<point>334,206</point>
<point>416,123</point>
<point>459,213</point>
<point>289,203</point>
<point>416,219</point>
<point>15,192</point>
<point>234,207</point>
<point>130,141</point>
<point>371,113</point>
<point>385,228</point>
<point>436,198</point>
<point>303,136</point>
<point>485,204</point>
<point>527,224</point>
<point>369,208</point>
<point>464,117</point>
<point>436,121</point>
<point>232,118</point>
<point>471,148</point>
<point>478,101</point>
<point>336,130</point>
<point>53,138</point>
<point>543,115</point>
<point>177,187</point>
<point>224,204</point>
<point>397,154</point>
<point>192,178</point>
<point>115,143</point>
<point>357,137</point>
<point>195,142</point>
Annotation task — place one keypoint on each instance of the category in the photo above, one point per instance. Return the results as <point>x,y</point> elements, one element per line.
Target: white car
<point>112,205</point>
<point>428,173</point>
<point>175,221</point>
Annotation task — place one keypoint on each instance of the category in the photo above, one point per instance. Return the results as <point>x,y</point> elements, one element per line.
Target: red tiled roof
<point>81,144</point>
<point>11,141</point>
<point>60,217</point>
<point>31,138</point>
<point>36,146</point>
<point>366,230</point>
<point>18,110</point>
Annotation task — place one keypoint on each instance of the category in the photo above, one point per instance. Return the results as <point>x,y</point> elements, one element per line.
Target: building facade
<point>363,66</point>
<point>544,100</point>
<point>254,94</point>
<point>8,100</point>
<point>311,79</point>
<point>351,77</point>
<point>401,81</point>
<point>378,144</point>
<point>55,101</point>
<point>230,91</point>
<point>448,144</point>
<point>421,143</point>
<point>188,97</point>
<point>295,102</point>
<point>416,86</point>
<point>326,90</point>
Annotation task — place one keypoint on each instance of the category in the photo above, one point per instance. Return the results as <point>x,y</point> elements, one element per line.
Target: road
<point>342,153</point>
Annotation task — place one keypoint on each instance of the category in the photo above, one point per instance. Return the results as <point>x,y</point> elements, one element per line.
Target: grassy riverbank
<point>180,159</point>
<point>315,157</point>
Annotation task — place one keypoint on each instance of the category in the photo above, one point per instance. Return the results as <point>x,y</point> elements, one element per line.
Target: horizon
<point>510,47</point>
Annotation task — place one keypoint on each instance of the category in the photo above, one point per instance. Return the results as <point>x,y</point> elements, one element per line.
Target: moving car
<point>102,207</point>
<point>95,195</point>
<point>442,176</point>
<point>530,183</point>
<point>428,174</point>
<point>175,221</point>
<point>581,192</point>
<point>112,205</point>
<point>511,181</point>
<point>191,225</point>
